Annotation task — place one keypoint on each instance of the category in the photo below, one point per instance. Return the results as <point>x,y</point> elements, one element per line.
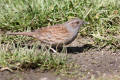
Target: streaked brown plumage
<point>56,35</point>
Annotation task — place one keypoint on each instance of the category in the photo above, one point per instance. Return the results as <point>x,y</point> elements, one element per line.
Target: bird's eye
<point>77,22</point>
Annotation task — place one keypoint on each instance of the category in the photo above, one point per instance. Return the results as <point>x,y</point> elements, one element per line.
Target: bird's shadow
<point>76,50</point>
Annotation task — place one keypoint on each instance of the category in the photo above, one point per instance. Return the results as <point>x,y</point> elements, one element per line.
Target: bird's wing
<point>54,34</point>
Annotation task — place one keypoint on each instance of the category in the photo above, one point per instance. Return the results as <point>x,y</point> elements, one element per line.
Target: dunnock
<point>56,35</point>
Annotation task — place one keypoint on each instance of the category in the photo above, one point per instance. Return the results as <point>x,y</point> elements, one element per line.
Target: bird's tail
<point>22,33</point>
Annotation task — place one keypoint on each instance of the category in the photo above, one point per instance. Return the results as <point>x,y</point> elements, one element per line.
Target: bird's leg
<point>53,49</point>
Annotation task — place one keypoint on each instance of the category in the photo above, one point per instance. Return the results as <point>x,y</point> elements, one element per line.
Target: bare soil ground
<point>90,60</point>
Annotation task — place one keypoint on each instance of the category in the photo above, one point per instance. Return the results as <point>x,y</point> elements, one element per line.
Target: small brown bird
<point>56,35</point>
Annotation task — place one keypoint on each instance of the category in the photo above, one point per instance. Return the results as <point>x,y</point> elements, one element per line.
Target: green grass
<point>23,15</point>
<point>17,57</point>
